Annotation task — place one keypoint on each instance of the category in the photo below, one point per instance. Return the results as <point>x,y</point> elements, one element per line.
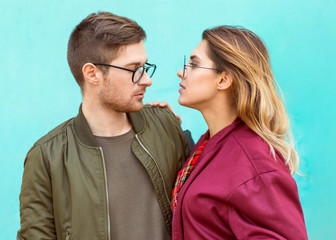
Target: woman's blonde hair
<point>243,54</point>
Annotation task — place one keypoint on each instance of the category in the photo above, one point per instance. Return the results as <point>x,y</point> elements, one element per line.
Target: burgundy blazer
<point>238,191</point>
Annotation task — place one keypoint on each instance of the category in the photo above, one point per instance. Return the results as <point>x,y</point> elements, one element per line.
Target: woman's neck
<point>219,117</point>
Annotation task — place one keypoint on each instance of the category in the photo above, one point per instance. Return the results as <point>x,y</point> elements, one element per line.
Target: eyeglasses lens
<point>150,70</point>
<point>138,74</point>
<point>140,71</point>
<point>184,65</point>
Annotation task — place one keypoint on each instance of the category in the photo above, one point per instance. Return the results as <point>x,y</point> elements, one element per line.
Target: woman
<point>237,184</point>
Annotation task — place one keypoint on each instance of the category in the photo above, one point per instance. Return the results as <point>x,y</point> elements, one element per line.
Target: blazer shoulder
<point>258,151</point>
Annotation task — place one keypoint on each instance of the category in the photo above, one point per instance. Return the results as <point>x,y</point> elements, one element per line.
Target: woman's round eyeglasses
<point>193,66</point>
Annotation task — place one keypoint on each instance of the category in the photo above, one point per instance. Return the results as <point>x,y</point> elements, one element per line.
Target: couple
<point>119,170</point>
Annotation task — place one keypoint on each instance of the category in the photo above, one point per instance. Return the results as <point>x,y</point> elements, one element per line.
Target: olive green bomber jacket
<point>64,192</point>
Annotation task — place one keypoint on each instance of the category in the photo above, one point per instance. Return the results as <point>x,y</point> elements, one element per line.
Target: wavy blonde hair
<point>244,55</point>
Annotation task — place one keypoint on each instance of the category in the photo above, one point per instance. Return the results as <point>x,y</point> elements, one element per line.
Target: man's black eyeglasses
<point>137,73</point>
<point>194,66</point>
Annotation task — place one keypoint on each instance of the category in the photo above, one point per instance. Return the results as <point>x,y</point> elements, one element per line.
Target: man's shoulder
<point>159,114</point>
<point>55,132</point>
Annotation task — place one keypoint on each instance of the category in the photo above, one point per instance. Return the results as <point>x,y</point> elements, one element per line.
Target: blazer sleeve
<point>267,207</point>
<point>36,206</point>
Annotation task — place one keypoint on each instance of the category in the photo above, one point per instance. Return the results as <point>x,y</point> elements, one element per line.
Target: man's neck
<point>104,122</point>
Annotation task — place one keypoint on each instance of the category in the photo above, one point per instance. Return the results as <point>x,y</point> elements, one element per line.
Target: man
<point>107,173</point>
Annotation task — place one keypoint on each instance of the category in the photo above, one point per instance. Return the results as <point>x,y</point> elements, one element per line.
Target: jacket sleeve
<point>185,136</point>
<point>36,207</point>
<point>267,207</point>
<point>189,139</point>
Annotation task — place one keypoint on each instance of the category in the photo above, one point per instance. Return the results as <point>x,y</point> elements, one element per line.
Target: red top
<point>184,173</point>
<point>238,191</point>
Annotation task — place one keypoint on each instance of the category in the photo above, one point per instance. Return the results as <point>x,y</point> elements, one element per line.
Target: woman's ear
<point>91,73</point>
<point>225,81</point>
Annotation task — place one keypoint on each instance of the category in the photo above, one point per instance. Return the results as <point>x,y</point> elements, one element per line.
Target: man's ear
<point>225,81</point>
<point>91,73</point>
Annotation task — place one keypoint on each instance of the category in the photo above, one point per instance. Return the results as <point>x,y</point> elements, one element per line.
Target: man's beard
<point>124,108</point>
<point>113,100</point>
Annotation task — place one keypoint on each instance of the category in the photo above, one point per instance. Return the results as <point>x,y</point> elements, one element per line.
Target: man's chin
<point>135,108</point>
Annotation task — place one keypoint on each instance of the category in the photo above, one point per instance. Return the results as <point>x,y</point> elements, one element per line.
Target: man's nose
<point>145,80</point>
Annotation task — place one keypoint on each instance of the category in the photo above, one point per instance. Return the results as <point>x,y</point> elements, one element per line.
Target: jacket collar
<point>137,120</point>
<point>85,135</point>
<point>217,137</point>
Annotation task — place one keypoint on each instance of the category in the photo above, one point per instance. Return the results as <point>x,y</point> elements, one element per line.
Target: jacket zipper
<point>107,199</point>
<point>164,184</point>
<point>67,235</point>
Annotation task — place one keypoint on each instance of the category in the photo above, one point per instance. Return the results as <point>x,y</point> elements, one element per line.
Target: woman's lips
<point>182,88</point>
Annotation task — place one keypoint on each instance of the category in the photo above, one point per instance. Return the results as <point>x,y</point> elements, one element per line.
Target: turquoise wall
<point>38,92</point>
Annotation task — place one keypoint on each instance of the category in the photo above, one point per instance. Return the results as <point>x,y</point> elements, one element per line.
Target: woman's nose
<point>180,73</point>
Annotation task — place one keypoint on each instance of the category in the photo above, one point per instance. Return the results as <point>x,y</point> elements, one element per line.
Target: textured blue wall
<point>38,92</point>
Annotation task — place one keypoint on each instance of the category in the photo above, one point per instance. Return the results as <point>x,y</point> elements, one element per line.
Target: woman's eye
<point>193,64</point>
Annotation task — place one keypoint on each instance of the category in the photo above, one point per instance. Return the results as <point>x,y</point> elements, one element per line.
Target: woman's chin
<point>183,102</point>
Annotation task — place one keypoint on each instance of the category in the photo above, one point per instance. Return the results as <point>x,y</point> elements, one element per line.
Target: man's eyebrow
<point>135,63</point>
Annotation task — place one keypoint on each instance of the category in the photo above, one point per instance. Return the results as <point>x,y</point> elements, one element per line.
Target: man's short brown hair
<point>98,38</point>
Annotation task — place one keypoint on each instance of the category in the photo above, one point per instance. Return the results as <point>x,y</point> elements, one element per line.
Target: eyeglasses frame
<point>188,65</point>
<point>131,70</point>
